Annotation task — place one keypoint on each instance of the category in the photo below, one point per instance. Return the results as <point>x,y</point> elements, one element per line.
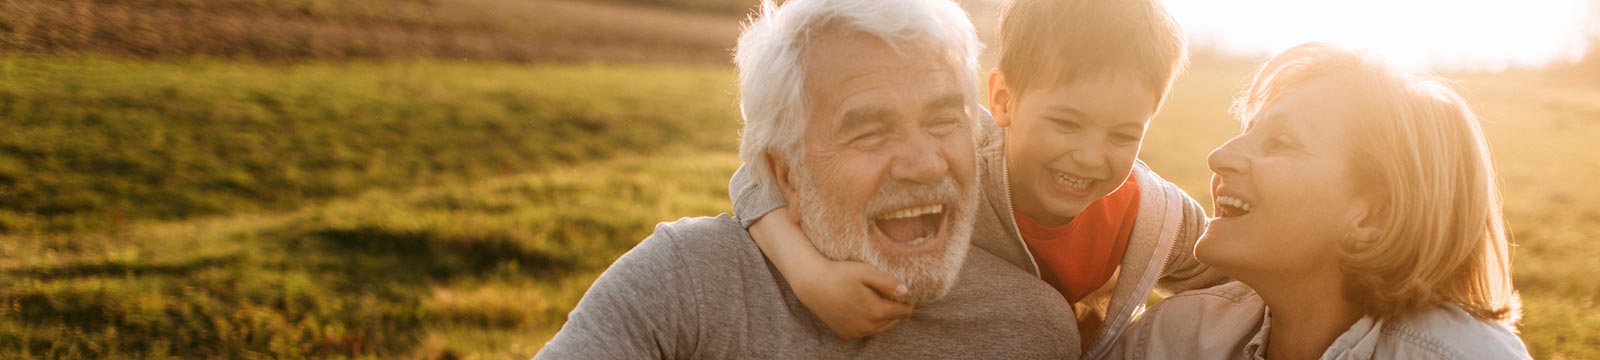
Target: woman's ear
<point>786,187</point>
<point>1365,227</point>
<point>999,98</point>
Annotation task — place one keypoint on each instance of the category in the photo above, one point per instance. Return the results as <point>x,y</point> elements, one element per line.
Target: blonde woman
<point>1359,212</point>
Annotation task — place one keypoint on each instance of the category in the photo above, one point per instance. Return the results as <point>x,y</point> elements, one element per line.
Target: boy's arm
<point>751,201</point>
<point>1183,271</point>
<point>852,298</point>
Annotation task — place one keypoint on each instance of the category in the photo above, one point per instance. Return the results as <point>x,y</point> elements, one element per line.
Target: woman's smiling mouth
<point>1229,206</point>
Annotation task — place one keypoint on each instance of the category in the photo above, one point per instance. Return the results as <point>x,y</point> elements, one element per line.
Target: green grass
<point>461,209</point>
<point>487,268</point>
<point>649,31</point>
<point>90,144</point>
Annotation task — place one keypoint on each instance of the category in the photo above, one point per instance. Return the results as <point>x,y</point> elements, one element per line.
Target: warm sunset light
<point>1472,34</point>
<point>797,179</point>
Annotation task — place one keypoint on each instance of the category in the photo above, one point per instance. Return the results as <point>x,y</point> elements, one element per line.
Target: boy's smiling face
<point>1071,144</point>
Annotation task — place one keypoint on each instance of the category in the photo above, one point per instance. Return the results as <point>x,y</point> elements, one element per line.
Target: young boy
<point>1065,196</point>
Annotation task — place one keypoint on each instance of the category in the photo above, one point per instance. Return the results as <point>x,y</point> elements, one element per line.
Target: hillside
<point>674,31</point>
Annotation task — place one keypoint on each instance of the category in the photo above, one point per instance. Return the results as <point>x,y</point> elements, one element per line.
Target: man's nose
<point>919,160</point>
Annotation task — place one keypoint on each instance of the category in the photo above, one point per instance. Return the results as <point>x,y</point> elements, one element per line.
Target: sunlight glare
<point>1410,33</point>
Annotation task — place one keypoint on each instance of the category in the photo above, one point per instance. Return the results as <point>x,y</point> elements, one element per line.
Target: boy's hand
<point>854,299</point>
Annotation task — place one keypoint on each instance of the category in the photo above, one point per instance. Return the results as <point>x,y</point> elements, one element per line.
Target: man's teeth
<point>1234,202</point>
<point>912,212</point>
<point>1072,182</point>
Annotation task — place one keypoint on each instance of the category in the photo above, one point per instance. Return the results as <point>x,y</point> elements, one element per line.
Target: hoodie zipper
<point>1005,177</point>
<point>1172,247</point>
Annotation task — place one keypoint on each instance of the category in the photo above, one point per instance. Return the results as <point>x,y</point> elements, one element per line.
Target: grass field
<point>652,31</point>
<point>230,209</point>
<point>455,210</point>
<point>93,143</point>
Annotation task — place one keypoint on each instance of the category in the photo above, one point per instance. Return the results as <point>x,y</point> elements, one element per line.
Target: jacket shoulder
<point>1213,320</point>
<point>1450,331</point>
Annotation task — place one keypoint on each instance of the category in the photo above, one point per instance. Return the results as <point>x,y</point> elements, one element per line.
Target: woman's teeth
<point>1072,183</point>
<point>1232,206</point>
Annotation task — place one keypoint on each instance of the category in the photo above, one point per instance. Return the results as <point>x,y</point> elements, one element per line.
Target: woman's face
<point>1284,191</point>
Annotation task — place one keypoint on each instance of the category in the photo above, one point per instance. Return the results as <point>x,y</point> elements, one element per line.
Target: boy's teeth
<point>912,212</point>
<point>1071,182</point>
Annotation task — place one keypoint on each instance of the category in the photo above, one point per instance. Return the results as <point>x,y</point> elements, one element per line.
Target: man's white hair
<point>772,82</point>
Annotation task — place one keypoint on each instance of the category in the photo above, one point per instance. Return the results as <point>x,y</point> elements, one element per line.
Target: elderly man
<point>861,113</point>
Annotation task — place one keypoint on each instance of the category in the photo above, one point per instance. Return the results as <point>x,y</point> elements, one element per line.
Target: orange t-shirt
<point>1080,256</point>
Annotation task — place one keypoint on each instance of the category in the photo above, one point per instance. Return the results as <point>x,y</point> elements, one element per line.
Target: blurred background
<point>444,178</point>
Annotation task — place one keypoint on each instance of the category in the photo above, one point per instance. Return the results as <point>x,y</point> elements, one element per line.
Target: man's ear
<point>999,98</point>
<point>786,187</point>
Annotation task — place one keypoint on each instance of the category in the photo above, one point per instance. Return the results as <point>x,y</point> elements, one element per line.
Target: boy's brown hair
<point>1052,42</point>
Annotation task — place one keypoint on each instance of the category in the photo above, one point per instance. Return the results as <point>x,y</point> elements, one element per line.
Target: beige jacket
<point>1159,256</point>
<point>1231,322</point>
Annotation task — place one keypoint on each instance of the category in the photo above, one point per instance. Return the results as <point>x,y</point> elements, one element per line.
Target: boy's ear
<point>786,187</point>
<point>999,98</point>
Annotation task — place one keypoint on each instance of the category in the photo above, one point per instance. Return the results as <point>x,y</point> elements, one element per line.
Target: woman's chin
<point>1217,252</point>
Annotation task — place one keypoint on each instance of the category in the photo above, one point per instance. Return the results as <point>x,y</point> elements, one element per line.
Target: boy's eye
<point>1064,124</point>
<point>1125,139</point>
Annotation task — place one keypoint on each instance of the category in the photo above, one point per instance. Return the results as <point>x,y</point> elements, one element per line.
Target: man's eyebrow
<point>863,116</point>
<point>946,101</point>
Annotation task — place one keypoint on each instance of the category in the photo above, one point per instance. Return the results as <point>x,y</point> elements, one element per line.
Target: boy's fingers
<point>885,326</point>
<point>886,285</point>
<point>894,310</point>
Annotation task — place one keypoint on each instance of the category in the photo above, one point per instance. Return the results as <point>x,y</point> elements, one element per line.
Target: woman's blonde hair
<point>1424,167</point>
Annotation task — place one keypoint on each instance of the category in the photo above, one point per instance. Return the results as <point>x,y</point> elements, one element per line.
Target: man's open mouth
<point>1228,206</point>
<point>911,226</point>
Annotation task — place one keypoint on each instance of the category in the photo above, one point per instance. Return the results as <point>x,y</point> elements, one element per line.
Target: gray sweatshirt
<point>699,288</point>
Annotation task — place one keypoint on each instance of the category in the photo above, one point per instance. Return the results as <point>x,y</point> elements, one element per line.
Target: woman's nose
<point>1226,159</point>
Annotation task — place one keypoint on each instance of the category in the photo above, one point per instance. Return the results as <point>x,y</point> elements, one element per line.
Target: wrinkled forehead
<point>846,69</point>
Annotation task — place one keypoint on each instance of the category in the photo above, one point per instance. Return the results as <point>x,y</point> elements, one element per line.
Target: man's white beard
<point>928,276</point>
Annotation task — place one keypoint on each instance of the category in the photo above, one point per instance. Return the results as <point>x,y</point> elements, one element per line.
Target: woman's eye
<point>1280,142</point>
